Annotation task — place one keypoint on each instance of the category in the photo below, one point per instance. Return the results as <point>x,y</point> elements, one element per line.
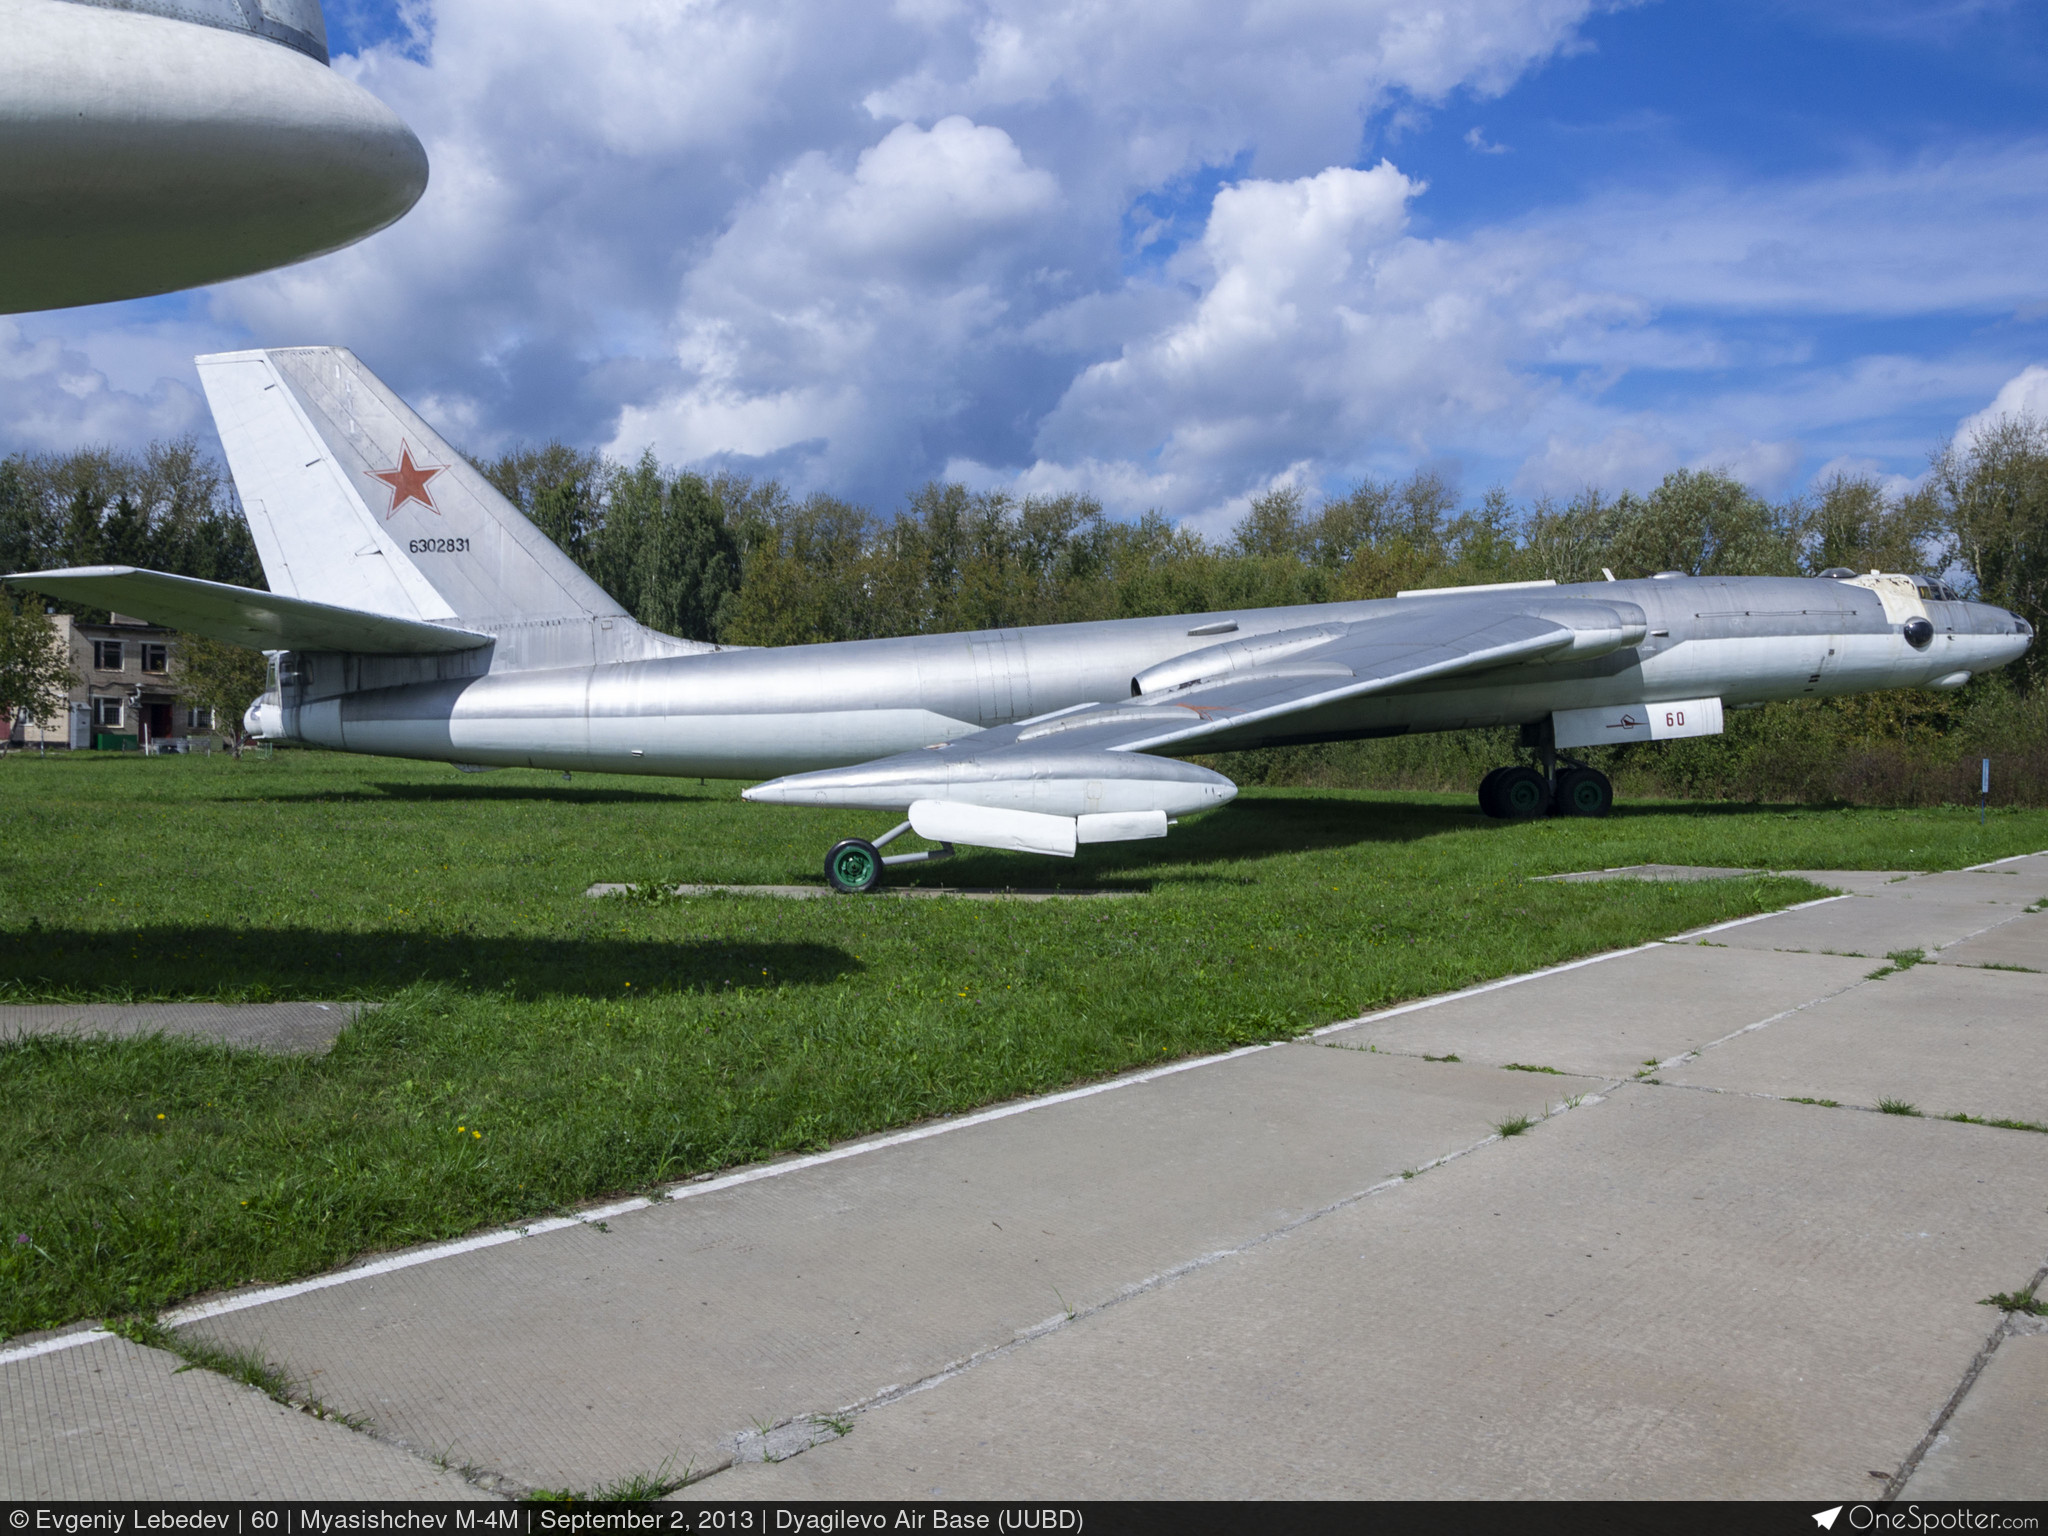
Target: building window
<point>107,713</point>
<point>198,719</point>
<point>156,657</point>
<point>106,655</point>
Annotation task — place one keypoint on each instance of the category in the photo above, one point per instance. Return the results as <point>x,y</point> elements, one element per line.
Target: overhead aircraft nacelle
<point>152,145</point>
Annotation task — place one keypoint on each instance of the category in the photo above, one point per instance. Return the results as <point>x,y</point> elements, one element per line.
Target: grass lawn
<point>537,1049</point>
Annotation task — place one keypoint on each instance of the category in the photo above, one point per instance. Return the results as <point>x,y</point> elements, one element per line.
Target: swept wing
<point>1238,689</point>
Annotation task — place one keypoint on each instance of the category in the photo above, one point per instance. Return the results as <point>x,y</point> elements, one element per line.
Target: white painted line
<point>1485,986</point>
<point>397,1261</point>
<point>51,1346</point>
<point>2012,859</point>
<point>1756,917</point>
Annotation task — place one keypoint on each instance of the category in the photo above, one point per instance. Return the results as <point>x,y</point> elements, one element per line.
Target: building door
<point>160,719</point>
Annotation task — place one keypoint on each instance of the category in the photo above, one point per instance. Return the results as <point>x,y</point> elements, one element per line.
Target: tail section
<point>356,502</point>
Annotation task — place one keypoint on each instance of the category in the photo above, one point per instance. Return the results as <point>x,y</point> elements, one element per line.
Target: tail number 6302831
<point>437,547</point>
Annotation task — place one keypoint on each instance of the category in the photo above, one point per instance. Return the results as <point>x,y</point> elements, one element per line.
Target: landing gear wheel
<point>1584,792</point>
<point>854,866</point>
<point>1521,794</point>
<point>1489,801</point>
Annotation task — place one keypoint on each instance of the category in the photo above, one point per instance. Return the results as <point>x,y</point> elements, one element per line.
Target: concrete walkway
<point>281,1028</point>
<point>1702,1264</point>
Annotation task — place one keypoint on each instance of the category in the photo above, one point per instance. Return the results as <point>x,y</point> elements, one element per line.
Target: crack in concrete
<point>2005,1329</point>
<point>1059,1321</point>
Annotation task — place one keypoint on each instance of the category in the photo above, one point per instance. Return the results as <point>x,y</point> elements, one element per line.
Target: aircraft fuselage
<point>740,713</point>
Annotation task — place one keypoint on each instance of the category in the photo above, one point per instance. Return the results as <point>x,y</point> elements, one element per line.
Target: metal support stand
<point>1541,738</point>
<point>943,851</point>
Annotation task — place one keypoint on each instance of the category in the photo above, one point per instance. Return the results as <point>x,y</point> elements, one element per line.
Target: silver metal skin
<point>424,617</point>
<point>151,145</point>
<point>757,713</point>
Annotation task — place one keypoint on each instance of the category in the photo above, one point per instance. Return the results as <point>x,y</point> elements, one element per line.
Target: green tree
<point>35,670</point>
<point>1992,495</point>
<point>688,563</point>
<point>25,531</point>
<point>1569,543</point>
<point>1705,523</point>
<point>223,678</point>
<point>1852,523</point>
<point>560,490</point>
<point>808,574</point>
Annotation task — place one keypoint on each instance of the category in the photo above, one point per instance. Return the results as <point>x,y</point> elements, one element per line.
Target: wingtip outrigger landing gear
<point>1519,792</point>
<point>854,866</point>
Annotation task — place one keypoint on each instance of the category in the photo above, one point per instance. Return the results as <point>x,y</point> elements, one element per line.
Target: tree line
<point>746,562</point>
<point>168,508</point>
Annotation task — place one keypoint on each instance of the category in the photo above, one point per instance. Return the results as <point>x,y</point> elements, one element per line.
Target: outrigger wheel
<point>854,866</point>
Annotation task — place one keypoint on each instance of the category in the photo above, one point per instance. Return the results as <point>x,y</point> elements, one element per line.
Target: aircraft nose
<point>2008,633</point>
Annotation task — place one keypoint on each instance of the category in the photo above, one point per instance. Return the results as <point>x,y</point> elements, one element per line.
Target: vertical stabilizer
<point>354,500</point>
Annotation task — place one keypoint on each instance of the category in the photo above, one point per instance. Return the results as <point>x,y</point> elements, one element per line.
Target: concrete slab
<point>2034,864</point>
<point>1904,916</point>
<point>1862,882</point>
<point>1654,872</point>
<point>1857,882</point>
<point>2011,884</point>
<point>1668,1295</point>
<point>2023,942</point>
<point>1996,1445</point>
<point>280,1028</point>
<point>1945,1038</point>
<point>812,892</point>
<point>112,1420</point>
<point>1609,1018</point>
<point>582,1356</point>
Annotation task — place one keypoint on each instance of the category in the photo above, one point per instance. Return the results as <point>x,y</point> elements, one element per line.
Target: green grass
<point>537,1049</point>
<point>2002,1124</point>
<point>1898,1107</point>
<point>2025,1302</point>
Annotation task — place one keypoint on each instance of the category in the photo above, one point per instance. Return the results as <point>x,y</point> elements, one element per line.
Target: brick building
<point>127,693</point>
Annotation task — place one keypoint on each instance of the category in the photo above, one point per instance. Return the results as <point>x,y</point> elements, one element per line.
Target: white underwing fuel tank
<point>152,145</point>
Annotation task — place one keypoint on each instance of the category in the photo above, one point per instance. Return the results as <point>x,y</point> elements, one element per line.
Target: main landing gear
<point>1519,792</point>
<point>854,866</point>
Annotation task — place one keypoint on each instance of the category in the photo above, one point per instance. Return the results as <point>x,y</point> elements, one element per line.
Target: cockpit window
<point>1934,589</point>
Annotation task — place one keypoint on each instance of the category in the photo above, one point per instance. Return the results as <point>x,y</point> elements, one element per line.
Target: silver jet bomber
<point>415,613</point>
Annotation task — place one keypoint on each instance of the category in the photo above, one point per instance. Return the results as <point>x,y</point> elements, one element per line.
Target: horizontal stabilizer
<point>263,621</point>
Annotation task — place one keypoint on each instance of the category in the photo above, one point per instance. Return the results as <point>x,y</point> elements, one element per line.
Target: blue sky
<point>1166,255</point>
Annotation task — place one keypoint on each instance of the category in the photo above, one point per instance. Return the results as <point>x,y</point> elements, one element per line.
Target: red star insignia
<point>408,481</point>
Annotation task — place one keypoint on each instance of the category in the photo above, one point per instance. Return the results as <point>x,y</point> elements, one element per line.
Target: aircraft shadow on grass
<point>1241,832</point>
<point>459,793</point>
<point>283,963</point>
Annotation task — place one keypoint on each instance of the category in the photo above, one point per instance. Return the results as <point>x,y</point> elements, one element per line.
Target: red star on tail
<point>408,481</point>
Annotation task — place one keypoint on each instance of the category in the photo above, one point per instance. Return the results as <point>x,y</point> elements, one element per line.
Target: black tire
<point>1488,801</point>
<point>1584,792</point>
<point>1522,794</point>
<point>854,866</point>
